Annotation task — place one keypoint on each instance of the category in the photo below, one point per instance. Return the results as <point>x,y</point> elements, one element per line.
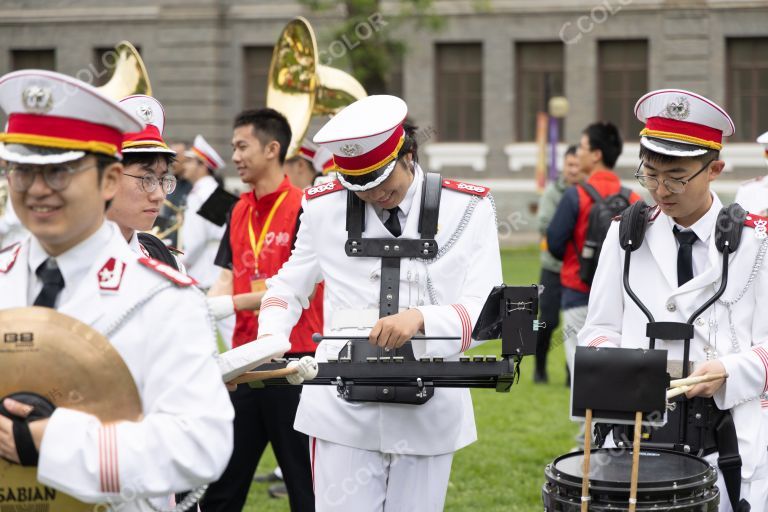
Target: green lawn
<point>519,432</point>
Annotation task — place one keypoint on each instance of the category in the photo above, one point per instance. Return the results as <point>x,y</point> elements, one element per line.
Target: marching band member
<point>752,195</point>
<point>63,144</point>
<point>675,271</point>
<point>259,237</point>
<point>309,166</point>
<point>145,182</point>
<point>403,451</point>
<point>201,237</point>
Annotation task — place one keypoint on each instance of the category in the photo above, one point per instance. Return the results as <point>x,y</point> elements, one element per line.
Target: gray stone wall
<point>194,52</point>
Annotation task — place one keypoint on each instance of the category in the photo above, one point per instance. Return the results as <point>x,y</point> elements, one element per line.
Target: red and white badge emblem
<point>325,188</point>
<point>111,275</point>
<point>8,257</point>
<point>467,188</point>
<point>167,271</point>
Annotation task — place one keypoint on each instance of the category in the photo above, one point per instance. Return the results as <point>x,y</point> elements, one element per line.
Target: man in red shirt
<point>258,240</point>
<point>597,152</point>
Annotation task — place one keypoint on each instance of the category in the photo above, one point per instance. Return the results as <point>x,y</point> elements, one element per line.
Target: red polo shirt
<point>276,248</point>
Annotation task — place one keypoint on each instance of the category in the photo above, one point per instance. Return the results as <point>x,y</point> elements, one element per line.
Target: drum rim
<point>601,485</point>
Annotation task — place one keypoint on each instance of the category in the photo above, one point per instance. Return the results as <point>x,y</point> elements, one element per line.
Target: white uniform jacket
<point>450,292</point>
<point>185,436</point>
<point>200,238</point>
<point>734,329</point>
<point>11,229</point>
<point>752,195</point>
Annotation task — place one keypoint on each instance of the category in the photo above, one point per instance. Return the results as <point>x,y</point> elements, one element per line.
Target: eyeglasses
<point>675,186</point>
<point>56,176</point>
<point>149,182</point>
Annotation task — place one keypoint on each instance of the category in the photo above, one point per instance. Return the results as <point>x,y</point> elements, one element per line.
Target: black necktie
<point>53,283</point>
<point>393,222</point>
<point>686,239</point>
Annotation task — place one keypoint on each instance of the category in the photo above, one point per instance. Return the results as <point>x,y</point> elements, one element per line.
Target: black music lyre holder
<point>617,382</point>
<point>510,313</point>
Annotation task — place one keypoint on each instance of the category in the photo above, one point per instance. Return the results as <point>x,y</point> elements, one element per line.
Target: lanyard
<point>256,246</point>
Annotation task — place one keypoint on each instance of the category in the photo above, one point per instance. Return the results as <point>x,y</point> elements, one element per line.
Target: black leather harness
<point>392,251</point>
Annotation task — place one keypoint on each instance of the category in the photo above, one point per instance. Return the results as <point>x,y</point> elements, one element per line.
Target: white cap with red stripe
<point>365,139</point>
<point>682,123</point>
<point>150,139</point>
<point>54,118</point>
<point>206,154</point>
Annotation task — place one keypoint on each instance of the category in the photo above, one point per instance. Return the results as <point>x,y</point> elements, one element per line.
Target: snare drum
<point>668,481</point>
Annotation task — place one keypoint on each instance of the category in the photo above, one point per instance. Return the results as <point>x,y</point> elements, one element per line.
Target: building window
<point>256,60</point>
<point>104,62</point>
<point>33,59</point>
<point>459,92</point>
<point>622,80</point>
<point>747,87</point>
<point>539,78</point>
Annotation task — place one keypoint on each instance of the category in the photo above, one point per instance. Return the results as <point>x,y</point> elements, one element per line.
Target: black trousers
<point>549,312</point>
<point>262,416</point>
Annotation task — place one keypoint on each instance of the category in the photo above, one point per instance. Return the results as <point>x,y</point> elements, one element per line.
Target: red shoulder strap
<point>756,222</point>
<point>321,190</point>
<point>467,188</point>
<point>8,257</point>
<point>168,272</point>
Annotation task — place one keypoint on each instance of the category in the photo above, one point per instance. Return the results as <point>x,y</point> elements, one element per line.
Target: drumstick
<point>317,338</point>
<point>697,380</point>
<point>296,372</point>
<point>635,462</point>
<point>585,468</point>
<point>672,393</point>
<point>263,375</point>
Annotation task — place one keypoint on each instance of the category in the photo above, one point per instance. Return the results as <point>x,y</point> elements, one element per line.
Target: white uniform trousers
<point>349,479</point>
<point>754,491</point>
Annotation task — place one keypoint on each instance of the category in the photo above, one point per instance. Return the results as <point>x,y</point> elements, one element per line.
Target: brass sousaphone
<point>299,87</point>
<point>71,365</point>
<point>129,75</point>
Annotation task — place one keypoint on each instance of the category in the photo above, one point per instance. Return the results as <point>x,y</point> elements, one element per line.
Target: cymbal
<point>72,366</point>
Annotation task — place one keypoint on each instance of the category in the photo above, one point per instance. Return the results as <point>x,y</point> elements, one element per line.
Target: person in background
<point>201,237</point>
<point>598,151</point>
<point>752,195</point>
<point>177,198</point>
<point>549,300</point>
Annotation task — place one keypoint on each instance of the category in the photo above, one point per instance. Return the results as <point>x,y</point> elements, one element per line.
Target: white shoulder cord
<point>193,497</point>
<point>728,304</point>
<point>453,239</point>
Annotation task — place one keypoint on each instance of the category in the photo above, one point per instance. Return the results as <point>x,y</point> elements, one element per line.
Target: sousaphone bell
<point>299,87</point>
<point>129,75</point>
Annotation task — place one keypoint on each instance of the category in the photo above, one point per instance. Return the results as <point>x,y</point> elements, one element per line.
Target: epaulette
<point>321,190</point>
<point>467,188</point>
<point>168,272</point>
<point>8,257</point>
<point>756,222</point>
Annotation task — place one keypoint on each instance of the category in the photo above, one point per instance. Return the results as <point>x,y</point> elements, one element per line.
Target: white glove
<point>306,370</point>
<point>221,306</point>
<point>251,355</point>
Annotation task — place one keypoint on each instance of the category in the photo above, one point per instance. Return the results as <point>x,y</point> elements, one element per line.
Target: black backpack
<point>600,217</point>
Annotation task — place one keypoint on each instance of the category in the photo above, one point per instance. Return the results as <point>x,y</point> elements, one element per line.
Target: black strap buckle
<point>729,461</point>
